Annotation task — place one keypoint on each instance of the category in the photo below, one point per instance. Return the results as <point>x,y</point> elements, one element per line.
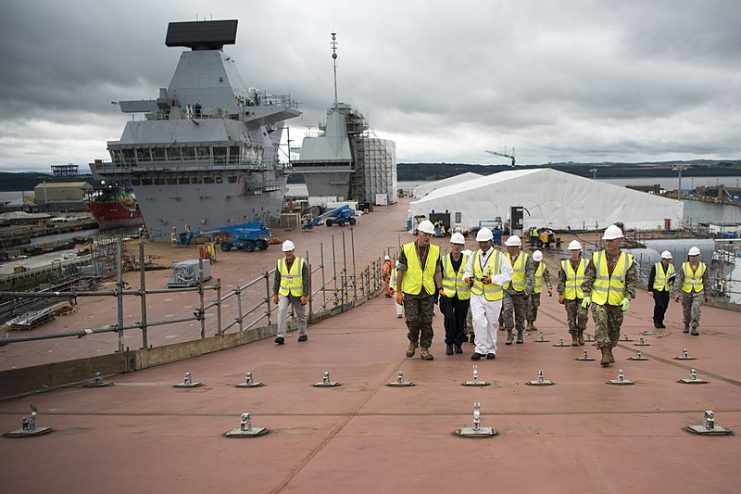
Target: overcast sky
<point>557,80</point>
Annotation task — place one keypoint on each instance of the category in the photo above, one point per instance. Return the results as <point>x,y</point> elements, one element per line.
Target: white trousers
<point>485,315</point>
<point>298,311</point>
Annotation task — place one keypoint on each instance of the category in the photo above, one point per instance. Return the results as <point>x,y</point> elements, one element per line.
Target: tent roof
<point>551,198</point>
<point>426,188</point>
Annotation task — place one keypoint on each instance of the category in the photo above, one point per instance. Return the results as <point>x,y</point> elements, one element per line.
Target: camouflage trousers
<point>533,302</point>
<point>514,308</point>
<point>607,321</point>
<point>576,316</point>
<point>418,310</point>
<point>692,308</point>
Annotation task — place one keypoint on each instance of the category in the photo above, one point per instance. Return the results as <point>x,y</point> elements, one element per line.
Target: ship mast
<point>333,44</point>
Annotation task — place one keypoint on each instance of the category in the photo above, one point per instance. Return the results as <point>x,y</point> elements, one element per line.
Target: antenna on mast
<point>333,44</point>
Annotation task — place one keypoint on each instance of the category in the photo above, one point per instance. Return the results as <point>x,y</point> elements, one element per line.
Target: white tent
<point>422,190</point>
<point>552,199</point>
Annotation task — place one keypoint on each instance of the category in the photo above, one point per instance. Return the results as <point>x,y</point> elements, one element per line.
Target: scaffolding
<point>374,179</point>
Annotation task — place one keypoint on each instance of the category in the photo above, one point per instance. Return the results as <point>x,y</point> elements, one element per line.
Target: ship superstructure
<point>206,152</point>
<point>347,160</point>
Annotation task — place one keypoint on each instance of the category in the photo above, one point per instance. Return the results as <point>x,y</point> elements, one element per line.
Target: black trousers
<point>661,302</point>
<point>454,311</point>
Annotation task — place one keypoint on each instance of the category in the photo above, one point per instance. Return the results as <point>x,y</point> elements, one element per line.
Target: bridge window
<point>219,155</point>
<point>188,152</point>
<point>158,154</point>
<point>203,153</point>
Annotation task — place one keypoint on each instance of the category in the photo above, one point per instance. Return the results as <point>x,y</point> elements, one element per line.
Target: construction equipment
<point>187,273</point>
<point>339,216</point>
<point>244,236</point>
<point>504,155</point>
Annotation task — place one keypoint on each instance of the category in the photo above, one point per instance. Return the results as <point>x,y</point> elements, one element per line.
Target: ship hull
<point>112,215</point>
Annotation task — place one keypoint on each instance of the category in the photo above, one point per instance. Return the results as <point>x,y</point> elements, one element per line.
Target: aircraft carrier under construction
<point>206,153</point>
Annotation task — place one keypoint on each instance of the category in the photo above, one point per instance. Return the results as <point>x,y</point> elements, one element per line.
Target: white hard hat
<point>612,232</point>
<point>667,255</point>
<point>426,227</point>
<point>386,258</point>
<point>513,241</point>
<point>484,235</point>
<point>694,251</point>
<point>574,245</point>
<point>467,252</point>
<point>457,238</point>
<point>537,256</point>
<point>288,246</point>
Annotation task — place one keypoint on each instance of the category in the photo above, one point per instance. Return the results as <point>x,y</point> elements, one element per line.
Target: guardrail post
<point>201,308</point>
<point>267,297</point>
<point>143,293</point>
<point>238,291</point>
<point>218,306</point>
<point>119,293</point>
<point>324,287</point>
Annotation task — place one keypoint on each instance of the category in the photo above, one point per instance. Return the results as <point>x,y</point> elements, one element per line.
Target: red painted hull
<point>116,215</point>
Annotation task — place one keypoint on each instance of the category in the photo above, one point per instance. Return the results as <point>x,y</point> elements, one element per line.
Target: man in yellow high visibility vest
<point>518,290</point>
<point>570,279</point>
<point>694,285</point>
<point>660,281</point>
<point>609,284</point>
<point>487,271</point>
<point>418,278</point>
<point>291,287</point>
<point>541,275</point>
<point>455,295</point>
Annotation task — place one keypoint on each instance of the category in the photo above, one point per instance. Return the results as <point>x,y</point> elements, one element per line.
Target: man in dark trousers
<point>660,282</point>
<point>455,295</point>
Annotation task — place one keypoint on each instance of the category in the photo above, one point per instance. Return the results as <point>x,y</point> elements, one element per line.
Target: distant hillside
<point>26,181</point>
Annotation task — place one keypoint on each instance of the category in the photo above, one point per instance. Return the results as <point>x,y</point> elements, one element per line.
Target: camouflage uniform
<point>515,304</point>
<point>533,301</point>
<point>608,318</point>
<point>576,315</point>
<point>419,308</point>
<point>692,302</point>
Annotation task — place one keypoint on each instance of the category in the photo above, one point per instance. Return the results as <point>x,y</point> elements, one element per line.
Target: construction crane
<point>504,155</point>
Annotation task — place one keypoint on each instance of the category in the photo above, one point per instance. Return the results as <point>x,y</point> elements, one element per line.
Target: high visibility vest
<point>661,279</point>
<point>417,276</point>
<point>609,289</point>
<point>453,282</point>
<point>693,280</point>
<point>519,276</point>
<point>574,279</point>
<point>493,267</point>
<point>291,280</point>
<point>538,287</point>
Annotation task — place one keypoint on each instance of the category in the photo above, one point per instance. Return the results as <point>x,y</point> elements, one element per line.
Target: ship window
<point>234,154</point>
<point>204,153</point>
<point>208,179</point>
<point>197,111</point>
<point>183,180</point>
<point>158,154</point>
<point>146,181</point>
<point>128,156</point>
<point>135,181</point>
<point>189,153</point>
<point>143,154</point>
<point>232,179</point>
<point>173,154</point>
<point>159,181</point>
<point>197,180</point>
<point>259,156</point>
<point>219,155</point>
<point>171,181</point>
<point>218,179</point>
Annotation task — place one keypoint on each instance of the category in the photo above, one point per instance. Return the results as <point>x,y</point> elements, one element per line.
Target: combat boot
<point>574,340</point>
<point>519,337</point>
<point>532,327</point>
<point>606,354</point>
<point>695,332</point>
<point>510,338</point>
<point>686,329</point>
<point>425,354</point>
<point>581,338</point>
<point>411,349</point>
<point>448,349</point>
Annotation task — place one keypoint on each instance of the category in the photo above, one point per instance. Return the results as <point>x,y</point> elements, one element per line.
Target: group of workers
<point>503,289</point>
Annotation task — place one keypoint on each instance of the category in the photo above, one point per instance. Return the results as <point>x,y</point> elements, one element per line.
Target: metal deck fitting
<point>684,356</point>
<point>541,339</point>
<point>584,357</point>
<point>187,382</point>
<point>246,429</point>
<point>708,428</point>
<point>641,342</point>
<point>476,430</point>
<point>621,381</point>
<point>540,380</point>
<point>400,382</point>
<point>249,382</point>
<point>475,381</point>
<point>625,339</point>
<point>97,382</point>
<point>693,379</point>
<point>561,344</point>
<point>326,383</point>
<point>28,426</point>
<point>638,356</point>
